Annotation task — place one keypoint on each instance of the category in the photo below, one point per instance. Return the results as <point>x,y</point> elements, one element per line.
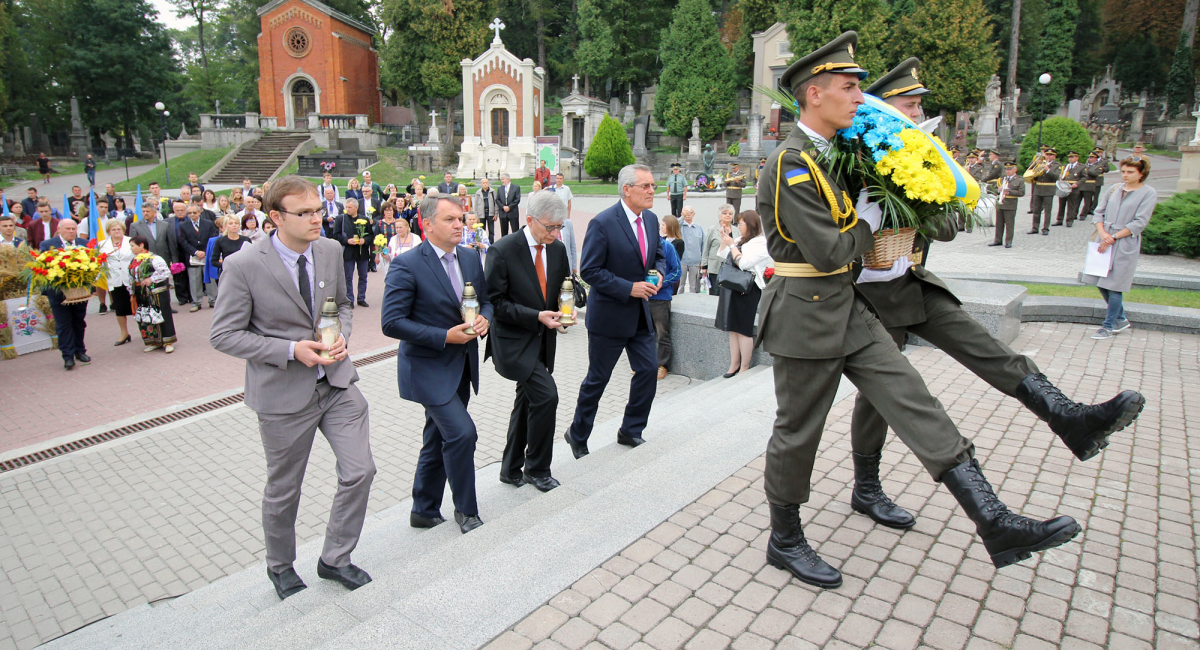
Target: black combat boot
<point>1084,428</point>
<point>788,550</point>
<point>1008,537</point>
<point>869,499</point>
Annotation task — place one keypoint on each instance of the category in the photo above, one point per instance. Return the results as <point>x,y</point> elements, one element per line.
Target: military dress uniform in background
<point>995,168</point>
<point>735,181</point>
<point>1072,172</point>
<point>1011,188</point>
<point>978,171</point>
<point>1042,203</point>
<point>1093,181</point>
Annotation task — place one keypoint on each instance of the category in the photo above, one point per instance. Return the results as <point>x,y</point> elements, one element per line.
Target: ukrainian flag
<point>797,175</point>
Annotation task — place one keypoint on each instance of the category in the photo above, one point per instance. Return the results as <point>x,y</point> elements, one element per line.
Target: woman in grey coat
<point>1120,218</point>
<point>714,251</point>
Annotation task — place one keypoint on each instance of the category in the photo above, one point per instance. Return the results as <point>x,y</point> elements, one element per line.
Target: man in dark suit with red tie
<point>621,247</point>
<point>525,273</point>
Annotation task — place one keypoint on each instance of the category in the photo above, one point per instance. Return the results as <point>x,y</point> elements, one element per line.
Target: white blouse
<point>119,259</point>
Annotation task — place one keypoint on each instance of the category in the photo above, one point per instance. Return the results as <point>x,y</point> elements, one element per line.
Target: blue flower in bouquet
<point>877,130</point>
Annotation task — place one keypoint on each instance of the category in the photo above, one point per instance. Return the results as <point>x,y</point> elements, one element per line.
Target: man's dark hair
<point>7,217</point>
<point>152,184</point>
<point>800,92</point>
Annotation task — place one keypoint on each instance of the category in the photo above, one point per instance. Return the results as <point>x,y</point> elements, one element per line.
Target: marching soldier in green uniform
<point>996,168</point>
<point>1043,173</point>
<point>1073,173</point>
<point>1093,181</point>
<point>908,298</point>
<point>1011,187</point>
<point>978,171</point>
<point>818,327</point>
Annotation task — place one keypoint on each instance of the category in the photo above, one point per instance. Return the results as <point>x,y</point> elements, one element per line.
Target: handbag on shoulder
<point>732,277</point>
<point>580,291</point>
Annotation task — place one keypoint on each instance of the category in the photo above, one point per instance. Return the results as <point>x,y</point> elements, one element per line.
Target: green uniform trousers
<point>804,392</point>
<point>957,334</point>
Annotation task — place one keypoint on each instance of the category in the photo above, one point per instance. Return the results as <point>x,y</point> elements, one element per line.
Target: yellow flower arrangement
<point>60,268</point>
<point>915,168</point>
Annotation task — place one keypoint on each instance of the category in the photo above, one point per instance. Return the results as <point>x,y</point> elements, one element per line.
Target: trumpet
<point>1036,168</point>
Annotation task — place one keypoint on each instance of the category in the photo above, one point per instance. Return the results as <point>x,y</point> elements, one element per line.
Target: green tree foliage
<point>939,32</point>
<point>5,30</point>
<point>1139,37</point>
<point>609,151</point>
<point>594,52</point>
<point>698,78</point>
<point>813,23</point>
<point>428,40</point>
<point>118,86</point>
<point>1181,85</point>
<point>637,28</point>
<point>1058,48</point>
<point>1175,226</point>
<point>1062,133</point>
<point>757,16</point>
<point>1033,23</point>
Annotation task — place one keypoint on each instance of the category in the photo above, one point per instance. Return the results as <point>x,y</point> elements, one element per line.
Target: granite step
<point>411,566</point>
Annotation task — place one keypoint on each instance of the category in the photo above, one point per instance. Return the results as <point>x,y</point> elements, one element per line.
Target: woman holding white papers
<point>1123,213</point>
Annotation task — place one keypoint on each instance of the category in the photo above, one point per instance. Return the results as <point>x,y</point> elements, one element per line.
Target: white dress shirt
<point>533,252</point>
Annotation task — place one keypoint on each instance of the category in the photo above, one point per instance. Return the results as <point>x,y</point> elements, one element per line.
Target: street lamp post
<point>1044,80</point>
<point>162,123</point>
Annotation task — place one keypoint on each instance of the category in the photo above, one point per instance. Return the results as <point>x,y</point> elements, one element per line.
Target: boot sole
<point>779,564</point>
<point>1133,408</point>
<point>859,509</point>
<point>1014,555</point>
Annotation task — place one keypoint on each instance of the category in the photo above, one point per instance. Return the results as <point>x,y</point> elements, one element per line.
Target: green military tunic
<point>1042,203</point>
<point>1006,210</point>
<point>821,327</point>
<point>1072,173</point>
<point>1093,182</point>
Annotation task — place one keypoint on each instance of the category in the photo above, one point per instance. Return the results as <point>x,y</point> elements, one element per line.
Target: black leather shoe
<point>363,303</point>
<point>467,523</point>
<point>868,496</point>
<point>730,375</point>
<point>1007,536</point>
<point>579,449</point>
<point>789,550</point>
<point>83,358</point>
<point>69,364</point>
<point>417,521</point>
<point>1046,231</point>
<point>629,441</point>
<point>123,341</point>
<point>103,309</point>
<point>1032,232</point>
<point>350,576</point>
<point>995,243</point>
<point>1084,428</point>
<point>1008,245</point>
<point>543,483</point>
<point>287,582</point>
<point>515,482</point>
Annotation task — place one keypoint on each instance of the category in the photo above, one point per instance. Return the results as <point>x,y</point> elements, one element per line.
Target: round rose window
<point>298,41</point>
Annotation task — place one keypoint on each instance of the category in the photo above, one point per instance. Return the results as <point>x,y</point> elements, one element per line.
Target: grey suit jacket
<point>160,245</point>
<point>260,313</point>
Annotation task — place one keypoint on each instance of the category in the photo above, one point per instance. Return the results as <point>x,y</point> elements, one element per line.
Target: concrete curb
<point>1091,311</point>
<point>1143,280</point>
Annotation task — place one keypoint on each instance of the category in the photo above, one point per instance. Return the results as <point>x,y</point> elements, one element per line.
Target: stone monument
<point>80,144</point>
<point>985,123</point>
<point>1139,119</point>
<point>639,137</point>
<point>694,141</point>
<point>628,116</point>
<point>1189,167</point>
<point>710,157</point>
<point>1075,109</point>
<point>435,136</point>
<point>754,149</point>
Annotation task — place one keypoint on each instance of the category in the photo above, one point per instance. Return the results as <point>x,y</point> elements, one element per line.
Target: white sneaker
<point>1121,326</point>
<point>1102,334</point>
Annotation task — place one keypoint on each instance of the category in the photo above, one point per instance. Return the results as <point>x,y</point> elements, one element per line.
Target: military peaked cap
<point>900,81</point>
<point>835,56</point>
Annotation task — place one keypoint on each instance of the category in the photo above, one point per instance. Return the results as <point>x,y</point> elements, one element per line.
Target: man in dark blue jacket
<point>68,319</point>
<point>438,364</point>
<point>621,247</point>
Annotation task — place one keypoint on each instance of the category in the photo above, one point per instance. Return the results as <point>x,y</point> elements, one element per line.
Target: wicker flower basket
<point>75,295</point>
<point>890,245</point>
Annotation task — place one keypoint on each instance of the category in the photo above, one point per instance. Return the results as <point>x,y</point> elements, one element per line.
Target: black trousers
<point>1041,206</point>
<point>510,221</point>
<point>1069,205</point>
<point>530,443</point>
<point>361,266</point>
<point>677,205</point>
<point>69,325</point>
<point>603,353</point>
<point>183,288</point>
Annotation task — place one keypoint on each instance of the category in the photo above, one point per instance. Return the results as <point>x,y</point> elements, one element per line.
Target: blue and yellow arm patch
<point>798,175</point>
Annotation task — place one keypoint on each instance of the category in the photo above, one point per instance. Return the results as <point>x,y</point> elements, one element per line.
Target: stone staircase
<point>437,588</point>
<point>259,159</point>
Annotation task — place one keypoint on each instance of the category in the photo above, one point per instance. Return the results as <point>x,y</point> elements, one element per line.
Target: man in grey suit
<point>268,317</point>
<point>150,226</point>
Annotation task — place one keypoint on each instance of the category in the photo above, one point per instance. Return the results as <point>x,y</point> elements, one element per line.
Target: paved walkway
<point>700,580</point>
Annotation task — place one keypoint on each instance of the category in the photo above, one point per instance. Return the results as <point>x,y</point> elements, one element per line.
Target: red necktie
<point>541,272</point>
<point>641,239</point>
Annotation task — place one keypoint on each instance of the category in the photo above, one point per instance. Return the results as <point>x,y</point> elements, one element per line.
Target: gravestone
<point>80,145</point>
<point>639,137</point>
<point>334,140</point>
<point>435,135</point>
<point>628,116</point>
<point>694,141</point>
<point>754,148</point>
<point>985,123</point>
<point>1075,109</point>
<point>614,107</point>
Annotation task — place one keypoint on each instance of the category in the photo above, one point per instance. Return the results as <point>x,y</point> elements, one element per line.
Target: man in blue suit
<point>622,245</point>
<point>68,319</point>
<point>438,364</point>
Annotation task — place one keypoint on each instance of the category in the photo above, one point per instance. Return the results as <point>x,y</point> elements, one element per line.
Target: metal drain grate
<point>121,432</point>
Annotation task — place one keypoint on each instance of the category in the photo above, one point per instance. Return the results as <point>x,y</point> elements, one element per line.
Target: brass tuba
<point>1036,168</point>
